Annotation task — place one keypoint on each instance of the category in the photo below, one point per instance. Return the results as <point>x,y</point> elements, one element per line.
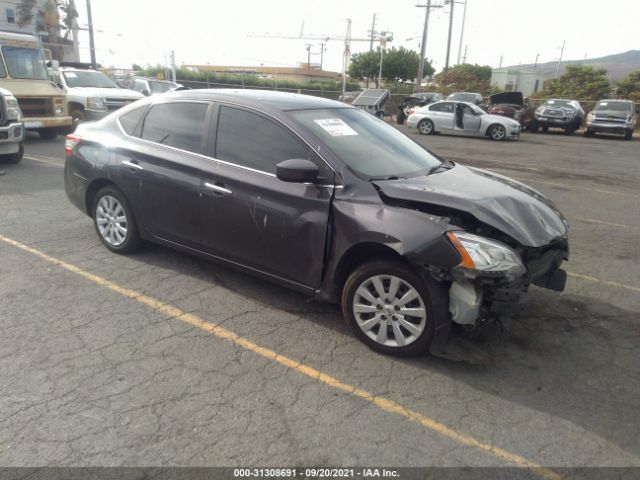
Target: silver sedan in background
<point>462,118</point>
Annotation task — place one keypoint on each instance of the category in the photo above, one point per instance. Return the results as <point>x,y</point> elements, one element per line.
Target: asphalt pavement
<point>159,358</point>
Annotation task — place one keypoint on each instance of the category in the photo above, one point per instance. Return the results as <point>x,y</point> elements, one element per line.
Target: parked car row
<point>462,113</point>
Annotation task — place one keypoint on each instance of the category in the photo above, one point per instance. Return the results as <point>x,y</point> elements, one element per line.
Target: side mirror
<point>297,171</point>
<point>146,92</point>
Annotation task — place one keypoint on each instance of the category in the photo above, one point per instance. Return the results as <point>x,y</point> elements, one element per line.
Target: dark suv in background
<point>414,101</point>
<point>558,113</point>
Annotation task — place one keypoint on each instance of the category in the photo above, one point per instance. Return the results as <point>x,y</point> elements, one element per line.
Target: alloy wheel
<point>111,220</point>
<point>498,132</point>
<point>389,310</point>
<point>425,127</point>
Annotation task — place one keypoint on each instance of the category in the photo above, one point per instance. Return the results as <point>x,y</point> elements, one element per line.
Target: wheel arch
<point>72,106</point>
<point>491,125</point>
<point>94,187</point>
<point>358,254</point>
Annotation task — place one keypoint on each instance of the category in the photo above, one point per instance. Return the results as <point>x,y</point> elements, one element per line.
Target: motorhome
<point>23,72</point>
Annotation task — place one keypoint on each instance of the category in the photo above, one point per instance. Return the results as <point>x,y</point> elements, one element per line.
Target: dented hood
<point>505,204</point>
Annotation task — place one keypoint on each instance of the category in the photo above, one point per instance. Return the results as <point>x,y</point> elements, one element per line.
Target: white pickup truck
<point>91,95</point>
<point>11,128</point>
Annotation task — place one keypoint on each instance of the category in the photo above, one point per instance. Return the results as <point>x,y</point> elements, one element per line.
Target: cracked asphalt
<point>90,377</point>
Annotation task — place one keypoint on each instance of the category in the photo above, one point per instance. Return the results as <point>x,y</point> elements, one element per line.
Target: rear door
<point>163,164</point>
<point>442,115</point>
<point>251,217</point>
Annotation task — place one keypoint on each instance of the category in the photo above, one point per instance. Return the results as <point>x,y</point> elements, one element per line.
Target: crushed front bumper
<point>11,136</point>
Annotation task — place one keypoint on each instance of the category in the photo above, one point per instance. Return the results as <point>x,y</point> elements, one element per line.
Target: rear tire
<point>114,221</point>
<point>628,135</point>
<point>388,321</point>
<point>425,126</point>
<point>545,129</point>
<point>569,130</point>
<point>48,133</point>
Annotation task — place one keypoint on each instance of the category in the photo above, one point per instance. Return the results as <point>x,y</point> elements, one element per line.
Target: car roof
<point>265,98</point>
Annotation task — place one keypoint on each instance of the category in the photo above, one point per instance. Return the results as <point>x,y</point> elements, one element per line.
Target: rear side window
<point>442,107</point>
<point>129,121</point>
<point>179,125</point>
<point>253,141</point>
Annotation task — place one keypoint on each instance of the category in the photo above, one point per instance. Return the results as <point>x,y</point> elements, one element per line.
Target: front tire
<point>14,157</point>
<point>425,126</point>
<point>588,133</point>
<point>77,117</point>
<point>114,221</point>
<point>497,133</point>
<point>628,135</point>
<point>391,309</point>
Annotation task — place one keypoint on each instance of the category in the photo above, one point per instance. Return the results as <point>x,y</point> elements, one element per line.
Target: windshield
<point>463,97</point>
<point>159,87</point>
<point>558,103</point>
<point>614,106</point>
<point>79,78</point>
<point>366,144</point>
<point>25,63</point>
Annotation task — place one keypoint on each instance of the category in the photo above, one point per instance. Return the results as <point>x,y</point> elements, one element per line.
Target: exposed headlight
<point>570,113</point>
<point>59,109</point>
<point>591,117</point>
<point>486,256</point>
<point>13,109</point>
<point>95,103</point>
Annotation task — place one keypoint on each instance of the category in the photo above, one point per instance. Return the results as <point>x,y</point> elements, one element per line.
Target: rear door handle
<point>217,188</point>
<point>130,164</point>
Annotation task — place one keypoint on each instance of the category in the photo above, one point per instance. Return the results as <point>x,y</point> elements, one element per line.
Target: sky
<point>217,32</point>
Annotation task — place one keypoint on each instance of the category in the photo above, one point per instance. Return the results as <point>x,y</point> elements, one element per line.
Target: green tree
<point>398,64</point>
<point>581,82</point>
<point>629,87</point>
<point>25,12</point>
<point>465,77</point>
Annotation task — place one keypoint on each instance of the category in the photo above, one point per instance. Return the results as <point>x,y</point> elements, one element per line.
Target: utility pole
<point>446,63</point>
<point>535,65</point>
<point>308,56</point>
<point>383,44</point>
<point>322,49</point>
<point>173,66</point>
<point>345,58</point>
<point>92,45</point>
<point>500,66</point>
<point>464,58</point>
<point>423,44</point>
<point>560,59</point>
<point>464,17</point>
<point>373,32</point>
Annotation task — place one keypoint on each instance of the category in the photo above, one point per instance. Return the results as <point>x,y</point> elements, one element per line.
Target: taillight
<point>70,142</point>
<point>410,112</point>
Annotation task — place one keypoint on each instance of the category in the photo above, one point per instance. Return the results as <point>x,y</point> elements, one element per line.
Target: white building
<point>515,80</point>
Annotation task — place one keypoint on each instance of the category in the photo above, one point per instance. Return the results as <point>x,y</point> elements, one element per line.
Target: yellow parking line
<point>589,278</point>
<point>611,224</point>
<point>380,402</point>
<point>48,162</point>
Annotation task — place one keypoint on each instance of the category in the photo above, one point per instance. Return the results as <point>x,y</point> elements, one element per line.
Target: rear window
<point>178,125</point>
<point>129,121</point>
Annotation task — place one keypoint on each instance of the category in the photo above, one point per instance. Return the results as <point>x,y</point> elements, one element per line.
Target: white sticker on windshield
<point>336,127</point>
<point>603,104</point>
<point>70,75</point>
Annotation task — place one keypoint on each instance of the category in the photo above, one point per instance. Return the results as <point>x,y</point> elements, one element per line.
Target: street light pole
<point>423,45</point>
<point>92,46</point>
<point>560,59</point>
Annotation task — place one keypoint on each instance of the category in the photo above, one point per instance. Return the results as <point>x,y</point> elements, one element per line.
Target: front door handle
<point>130,164</point>
<point>217,188</point>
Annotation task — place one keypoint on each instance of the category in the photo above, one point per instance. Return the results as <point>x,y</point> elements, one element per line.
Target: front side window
<point>253,141</point>
<point>25,63</point>
<point>140,85</point>
<point>79,78</point>
<point>366,144</point>
<point>11,15</point>
<point>159,87</point>
<point>178,125</point>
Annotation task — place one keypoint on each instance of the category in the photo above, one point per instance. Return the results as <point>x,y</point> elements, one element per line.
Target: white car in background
<point>462,118</point>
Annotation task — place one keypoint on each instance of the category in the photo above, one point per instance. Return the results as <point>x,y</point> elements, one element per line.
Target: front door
<point>470,121</point>
<point>251,217</point>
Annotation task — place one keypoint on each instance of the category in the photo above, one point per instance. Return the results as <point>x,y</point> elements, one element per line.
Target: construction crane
<point>382,37</point>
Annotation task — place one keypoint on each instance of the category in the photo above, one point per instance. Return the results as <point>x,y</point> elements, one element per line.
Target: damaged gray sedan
<point>322,198</point>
